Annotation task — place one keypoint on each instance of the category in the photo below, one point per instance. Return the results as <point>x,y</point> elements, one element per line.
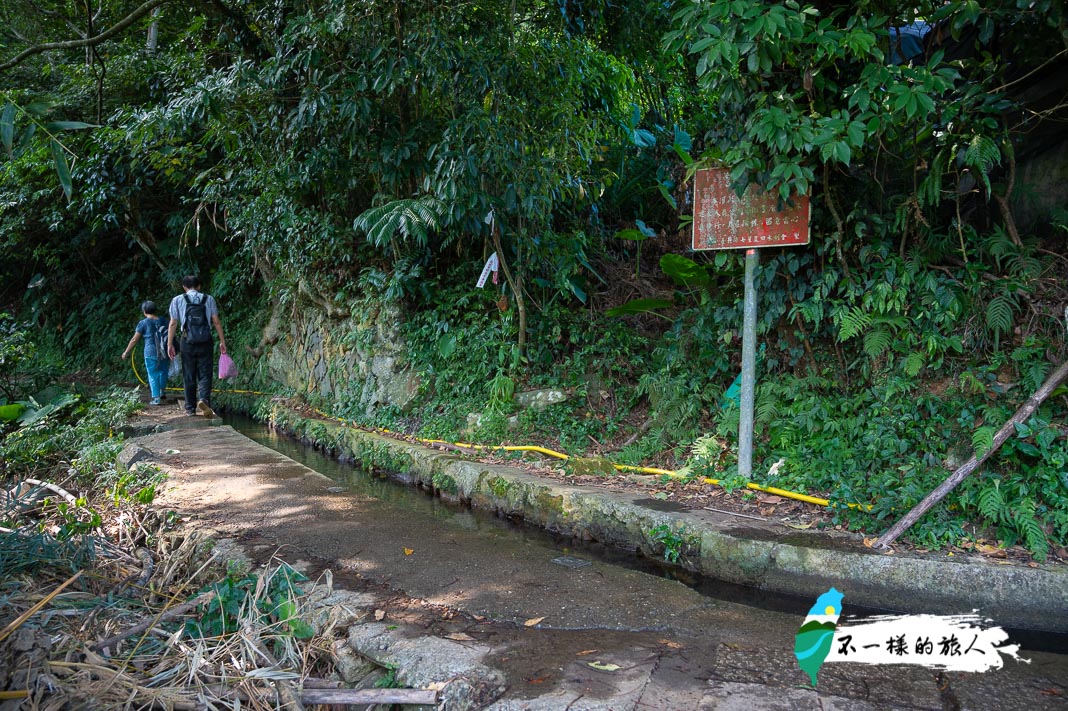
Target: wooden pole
<point>1006,431</point>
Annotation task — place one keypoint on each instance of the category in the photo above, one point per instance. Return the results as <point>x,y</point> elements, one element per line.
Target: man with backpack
<point>195,314</point>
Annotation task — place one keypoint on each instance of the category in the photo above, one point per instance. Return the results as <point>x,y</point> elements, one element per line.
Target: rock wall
<point>354,358</point>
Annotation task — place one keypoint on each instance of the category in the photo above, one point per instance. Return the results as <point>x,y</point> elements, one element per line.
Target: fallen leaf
<point>478,618</point>
<point>1052,692</point>
<point>380,615</point>
<point>769,499</point>
<point>409,551</point>
<point>533,621</point>
<point>800,526</point>
<point>604,667</point>
<point>584,652</point>
<point>460,637</point>
<point>991,551</point>
<point>173,451</point>
<point>537,680</point>
<point>766,510</point>
<point>670,645</point>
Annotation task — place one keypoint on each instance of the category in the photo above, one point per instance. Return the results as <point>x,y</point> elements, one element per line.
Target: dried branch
<point>162,617</point>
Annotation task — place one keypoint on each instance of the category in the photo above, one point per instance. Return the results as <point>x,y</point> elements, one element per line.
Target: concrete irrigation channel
<point>508,617</point>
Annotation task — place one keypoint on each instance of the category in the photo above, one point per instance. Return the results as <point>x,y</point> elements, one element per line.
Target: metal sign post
<point>749,317</point>
<point>722,220</point>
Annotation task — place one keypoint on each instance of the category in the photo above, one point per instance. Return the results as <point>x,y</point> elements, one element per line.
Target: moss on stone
<point>445,483</point>
<point>590,466</point>
<point>548,503</point>
<point>499,486</point>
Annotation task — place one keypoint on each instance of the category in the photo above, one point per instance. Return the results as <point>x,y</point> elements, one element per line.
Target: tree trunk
<point>153,32</point>
<point>517,289</point>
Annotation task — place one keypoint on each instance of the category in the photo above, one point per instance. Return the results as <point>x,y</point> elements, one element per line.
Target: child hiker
<point>153,330</point>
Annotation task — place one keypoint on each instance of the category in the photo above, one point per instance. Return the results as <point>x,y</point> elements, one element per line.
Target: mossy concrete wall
<point>763,555</point>
<point>355,357</point>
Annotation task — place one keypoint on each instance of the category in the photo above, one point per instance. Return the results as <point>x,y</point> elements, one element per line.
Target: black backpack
<point>197,328</point>
<point>159,334</point>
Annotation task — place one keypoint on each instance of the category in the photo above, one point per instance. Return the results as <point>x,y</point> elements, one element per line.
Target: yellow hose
<point>621,467</point>
<point>133,364</point>
<point>786,494</point>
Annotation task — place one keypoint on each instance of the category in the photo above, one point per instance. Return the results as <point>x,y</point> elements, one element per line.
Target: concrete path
<point>608,637</point>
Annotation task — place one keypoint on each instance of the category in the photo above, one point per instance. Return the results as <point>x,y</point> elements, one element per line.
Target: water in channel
<point>400,500</point>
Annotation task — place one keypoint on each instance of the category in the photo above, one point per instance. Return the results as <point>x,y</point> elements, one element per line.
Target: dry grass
<point>133,573</point>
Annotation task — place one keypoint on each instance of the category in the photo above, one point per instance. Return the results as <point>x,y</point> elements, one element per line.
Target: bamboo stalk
<point>290,697</point>
<point>413,697</point>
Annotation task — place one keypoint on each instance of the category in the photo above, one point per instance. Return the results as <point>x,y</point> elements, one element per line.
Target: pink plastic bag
<point>227,368</point>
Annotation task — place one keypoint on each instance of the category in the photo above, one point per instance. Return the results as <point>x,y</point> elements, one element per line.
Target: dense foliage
<point>336,154</point>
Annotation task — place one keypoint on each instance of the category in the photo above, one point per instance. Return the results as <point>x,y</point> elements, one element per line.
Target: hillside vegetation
<point>339,155</point>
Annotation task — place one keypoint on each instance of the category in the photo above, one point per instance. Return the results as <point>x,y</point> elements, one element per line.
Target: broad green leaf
<point>576,289</point>
<point>638,306</point>
<point>668,197</point>
<point>684,271</point>
<point>682,140</point>
<point>7,127</point>
<point>62,168</point>
<point>447,345</point>
<point>631,234</point>
<point>643,138</point>
<point>69,125</point>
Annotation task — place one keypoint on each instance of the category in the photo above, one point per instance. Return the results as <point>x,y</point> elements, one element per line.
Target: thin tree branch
<point>1007,430</point>
<point>87,42</point>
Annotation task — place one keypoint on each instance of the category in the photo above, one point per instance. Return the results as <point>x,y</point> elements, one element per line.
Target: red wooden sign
<point>722,220</point>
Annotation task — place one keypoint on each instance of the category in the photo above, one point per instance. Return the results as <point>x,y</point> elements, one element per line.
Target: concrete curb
<point>766,556</point>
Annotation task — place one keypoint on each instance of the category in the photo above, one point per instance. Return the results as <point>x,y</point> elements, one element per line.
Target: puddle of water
<point>563,551</point>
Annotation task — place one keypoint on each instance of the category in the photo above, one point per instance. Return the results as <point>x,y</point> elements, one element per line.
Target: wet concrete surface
<point>437,569</point>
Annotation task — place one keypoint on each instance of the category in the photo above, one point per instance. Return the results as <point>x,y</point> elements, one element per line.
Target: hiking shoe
<point>204,409</point>
<point>154,401</point>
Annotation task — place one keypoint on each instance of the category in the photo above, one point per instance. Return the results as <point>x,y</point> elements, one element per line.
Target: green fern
<point>410,218</point>
<point>981,155</point>
<point>991,503</point>
<point>766,410</point>
<point>1000,246</point>
<point>1035,374</point>
<point>999,312</point>
<point>983,439</point>
<point>914,364</point>
<point>929,193</point>
<point>1030,529</point>
<point>1025,266</point>
<point>877,341</point>
<point>852,322</point>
